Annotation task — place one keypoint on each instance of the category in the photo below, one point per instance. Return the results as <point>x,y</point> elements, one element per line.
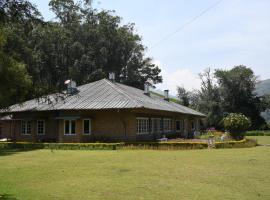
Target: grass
<point>262,140</point>
<point>136,174</point>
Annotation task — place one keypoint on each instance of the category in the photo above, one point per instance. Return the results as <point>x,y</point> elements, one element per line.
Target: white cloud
<point>180,77</point>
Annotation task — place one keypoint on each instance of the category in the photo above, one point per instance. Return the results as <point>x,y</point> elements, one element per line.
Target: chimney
<point>71,87</point>
<point>112,76</point>
<point>166,95</point>
<point>146,88</point>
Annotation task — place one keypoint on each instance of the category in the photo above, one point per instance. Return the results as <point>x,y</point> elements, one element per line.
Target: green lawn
<point>137,174</point>
<point>263,140</point>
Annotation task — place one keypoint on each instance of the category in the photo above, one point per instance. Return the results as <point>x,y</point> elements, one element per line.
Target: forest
<point>81,43</point>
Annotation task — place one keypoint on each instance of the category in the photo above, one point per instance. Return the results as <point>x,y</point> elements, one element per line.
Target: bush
<point>63,146</point>
<point>245,143</point>
<point>127,145</point>
<point>237,125</point>
<point>257,133</point>
<point>166,145</point>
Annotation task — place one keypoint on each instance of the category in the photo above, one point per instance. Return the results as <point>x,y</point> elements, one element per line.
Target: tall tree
<point>82,43</point>
<point>183,95</point>
<point>237,89</point>
<point>15,81</point>
<point>209,98</point>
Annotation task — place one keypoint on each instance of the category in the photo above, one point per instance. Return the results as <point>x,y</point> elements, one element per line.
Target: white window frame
<point>139,123</point>
<point>70,127</point>
<point>90,127</point>
<point>181,121</point>
<point>43,133</point>
<point>170,127</point>
<point>159,125</point>
<point>25,132</point>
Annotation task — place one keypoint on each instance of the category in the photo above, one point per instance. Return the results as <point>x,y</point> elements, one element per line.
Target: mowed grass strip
<point>136,174</point>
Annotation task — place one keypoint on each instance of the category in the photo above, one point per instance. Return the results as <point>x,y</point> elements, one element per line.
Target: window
<point>193,126</point>
<point>156,125</point>
<point>0,128</point>
<point>167,125</point>
<point>142,125</point>
<point>41,127</point>
<point>70,127</point>
<point>26,127</point>
<point>179,125</point>
<point>87,126</point>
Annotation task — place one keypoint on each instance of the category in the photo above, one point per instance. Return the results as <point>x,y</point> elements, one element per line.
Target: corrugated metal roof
<point>103,94</point>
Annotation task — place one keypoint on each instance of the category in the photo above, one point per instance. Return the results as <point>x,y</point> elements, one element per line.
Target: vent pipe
<point>166,95</point>
<point>71,87</point>
<point>146,88</point>
<point>112,76</point>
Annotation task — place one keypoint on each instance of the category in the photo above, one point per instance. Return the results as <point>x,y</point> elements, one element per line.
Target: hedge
<point>165,145</point>
<point>257,133</point>
<point>127,145</point>
<point>245,143</point>
<point>63,146</point>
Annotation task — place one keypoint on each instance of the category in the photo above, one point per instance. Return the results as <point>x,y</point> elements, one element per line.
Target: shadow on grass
<point>7,197</point>
<point>8,152</point>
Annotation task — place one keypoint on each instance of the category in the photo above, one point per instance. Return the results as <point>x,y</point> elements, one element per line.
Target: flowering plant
<point>236,124</point>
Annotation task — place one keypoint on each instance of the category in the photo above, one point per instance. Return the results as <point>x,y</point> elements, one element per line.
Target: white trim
<point>44,131</point>
<point>90,126</point>
<point>70,127</point>
<point>26,127</point>
<point>146,128</point>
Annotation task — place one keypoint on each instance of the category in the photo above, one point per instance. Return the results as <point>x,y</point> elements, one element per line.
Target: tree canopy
<point>229,91</point>
<point>82,44</point>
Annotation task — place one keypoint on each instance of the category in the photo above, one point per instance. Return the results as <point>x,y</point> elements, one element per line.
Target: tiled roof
<point>103,94</point>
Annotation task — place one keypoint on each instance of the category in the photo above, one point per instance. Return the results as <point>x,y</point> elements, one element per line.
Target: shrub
<point>63,146</point>
<point>165,145</point>
<point>236,124</point>
<point>257,133</point>
<point>245,143</point>
<point>127,145</point>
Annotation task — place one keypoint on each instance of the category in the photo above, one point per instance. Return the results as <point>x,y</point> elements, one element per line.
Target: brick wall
<point>109,125</point>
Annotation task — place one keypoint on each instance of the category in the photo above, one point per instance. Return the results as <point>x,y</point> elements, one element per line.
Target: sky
<point>224,34</point>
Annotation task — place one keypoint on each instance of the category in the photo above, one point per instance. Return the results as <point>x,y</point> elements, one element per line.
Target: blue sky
<point>232,33</point>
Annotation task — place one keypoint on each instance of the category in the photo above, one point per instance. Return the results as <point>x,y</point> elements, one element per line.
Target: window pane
<point>41,127</point>
<point>177,125</point>
<point>67,127</point>
<point>23,127</point>
<point>142,125</point>
<point>28,128</point>
<point>86,126</point>
<point>73,126</point>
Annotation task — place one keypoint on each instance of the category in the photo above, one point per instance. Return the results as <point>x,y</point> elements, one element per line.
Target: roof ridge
<point>118,89</point>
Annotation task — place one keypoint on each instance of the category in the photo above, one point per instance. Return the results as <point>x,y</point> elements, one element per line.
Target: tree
<point>237,90</point>
<point>183,95</point>
<point>209,99</point>
<point>82,43</point>
<point>15,81</point>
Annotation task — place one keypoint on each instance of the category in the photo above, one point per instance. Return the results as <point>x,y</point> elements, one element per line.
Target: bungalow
<point>99,111</point>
